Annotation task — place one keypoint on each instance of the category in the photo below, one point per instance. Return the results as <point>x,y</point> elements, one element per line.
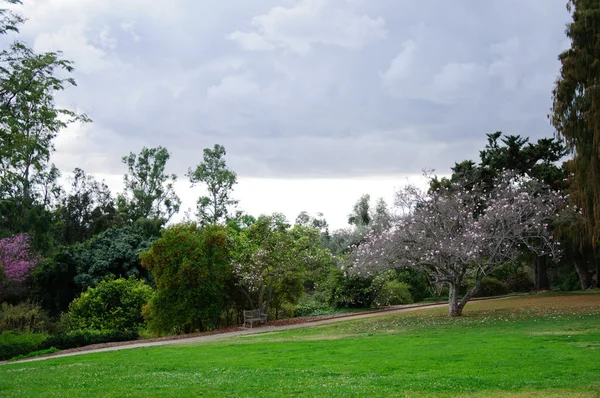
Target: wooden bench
<point>251,316</point>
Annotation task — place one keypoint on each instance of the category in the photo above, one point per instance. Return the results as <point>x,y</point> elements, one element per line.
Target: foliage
<point>214,207</point>
<point>519,282</point>
<point>82,338</point>
<point>14,343</point>
<point>111,305</point>
<point>17,259</point>
<point>33,354</point>
<point>352,290</point>
<point>149,191</point>
<point>24,317</point>
<point>191,266</point>
<point>393,293</point>
<point>85,211</point>
<point>576,110</point>
<point>447,235</point>
<point>72,269</point>
<point>489,287</point>
<point>271,259</point>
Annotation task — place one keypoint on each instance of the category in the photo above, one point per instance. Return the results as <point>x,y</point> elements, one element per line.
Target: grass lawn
<point>534,346</point>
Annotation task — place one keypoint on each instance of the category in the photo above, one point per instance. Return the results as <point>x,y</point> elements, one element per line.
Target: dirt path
<point>219,336</point>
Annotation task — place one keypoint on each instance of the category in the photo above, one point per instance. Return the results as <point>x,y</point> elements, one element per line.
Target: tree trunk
<point>454,308</point>
<point>581,266</point>
<point>540,273</point>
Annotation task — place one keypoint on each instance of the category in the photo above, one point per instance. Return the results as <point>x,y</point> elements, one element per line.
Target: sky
<point>316,101</point>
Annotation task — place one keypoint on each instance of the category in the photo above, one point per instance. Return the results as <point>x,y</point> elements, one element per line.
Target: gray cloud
<point>309,88</point>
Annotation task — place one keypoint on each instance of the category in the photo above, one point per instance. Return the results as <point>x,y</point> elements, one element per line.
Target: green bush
<point>111,305</point>
<point>491,287</point>
<point>519,282</point>
<point>81,338</point>
<point>393,293</point>
<point>13,344</point>
<point>308,306</point>
<point>25,318</point>
<point>50,350</point>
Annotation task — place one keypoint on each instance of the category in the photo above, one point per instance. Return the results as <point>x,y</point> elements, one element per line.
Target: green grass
<point>525,346</point>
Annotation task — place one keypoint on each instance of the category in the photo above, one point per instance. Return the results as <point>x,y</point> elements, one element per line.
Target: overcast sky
<point>316,101</point>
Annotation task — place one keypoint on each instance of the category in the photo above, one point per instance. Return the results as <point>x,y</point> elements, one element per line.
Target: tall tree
<point>360,215</point>
<point>576,110</point>
<point>29,122</point>
<point>149,191</point>
<point>219,180</point>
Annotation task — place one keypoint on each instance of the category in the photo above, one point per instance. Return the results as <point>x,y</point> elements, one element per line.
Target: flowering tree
<point>455,233</point>
<point>16,258</point>
<point>271,258</point>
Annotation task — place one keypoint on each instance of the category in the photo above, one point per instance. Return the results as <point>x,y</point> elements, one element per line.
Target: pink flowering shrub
<point>17,259</point>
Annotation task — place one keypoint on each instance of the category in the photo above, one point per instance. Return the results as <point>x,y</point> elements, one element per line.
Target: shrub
<point>24,317</point>
<point>111,305</point>
<point>50,350</point>
<point>393,293</point>
<point>519,282</point>
<point>190,265</point>
<point>13,344</point>
<point>81,338</point>
<point>308,306</point>
<point>491,287</point>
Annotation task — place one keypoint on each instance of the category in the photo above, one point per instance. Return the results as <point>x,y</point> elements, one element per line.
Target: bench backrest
<point>251,313</point>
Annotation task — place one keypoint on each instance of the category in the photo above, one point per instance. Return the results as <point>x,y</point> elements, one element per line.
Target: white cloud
<point>310,22</point>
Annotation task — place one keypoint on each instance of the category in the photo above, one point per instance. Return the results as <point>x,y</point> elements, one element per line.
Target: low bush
<point>25,318</point>
<point>519,282</point>
<point>393,293</point>
<point>50,350</point>
<point>491,287</point>
<point>13,343</point>
<point>81,338</point>
<point>111,305</point>
<point>309,306</point>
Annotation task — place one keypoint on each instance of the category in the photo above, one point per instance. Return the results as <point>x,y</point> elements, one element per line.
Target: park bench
<point>251,316</point>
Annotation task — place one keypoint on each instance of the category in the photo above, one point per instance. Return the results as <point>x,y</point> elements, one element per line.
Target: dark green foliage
<point>491,287</point>
<point>72,269</point>
<point>351,291</point>
<point>38,353</point>
<point>81,338</point>
<point>418,284</point>
<point>15,343</point>
<point>576,110</point>
<point>519,282</point>
<point>393,293</point>
<point>111,305</point>
<point>191,266</point>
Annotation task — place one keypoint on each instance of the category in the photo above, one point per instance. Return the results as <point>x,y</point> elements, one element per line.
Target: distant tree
<point>219,180</point>
<point>576,111</point>
<point>149,191</point>
<point>361,215</point>
<point>86,210</point>
<point>447,236</point>
<point>381,217</point>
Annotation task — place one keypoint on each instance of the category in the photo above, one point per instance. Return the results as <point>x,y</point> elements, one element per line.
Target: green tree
<point>219,180</point>
<point>86,210</point>
<point>113,304</point>
<point>29,122</point>
<point>191,266</point>
<point>149,191</point>
<point>361,216</point>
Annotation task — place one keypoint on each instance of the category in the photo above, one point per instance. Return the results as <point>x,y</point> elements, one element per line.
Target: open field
<point>536,346</point>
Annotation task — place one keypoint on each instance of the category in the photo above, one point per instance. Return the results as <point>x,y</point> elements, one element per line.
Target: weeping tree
<point>446,234</point>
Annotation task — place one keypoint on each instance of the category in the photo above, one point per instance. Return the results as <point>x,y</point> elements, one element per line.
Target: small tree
<point>449,236</point>
<point>17,259</point>
<point>214,207</point>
